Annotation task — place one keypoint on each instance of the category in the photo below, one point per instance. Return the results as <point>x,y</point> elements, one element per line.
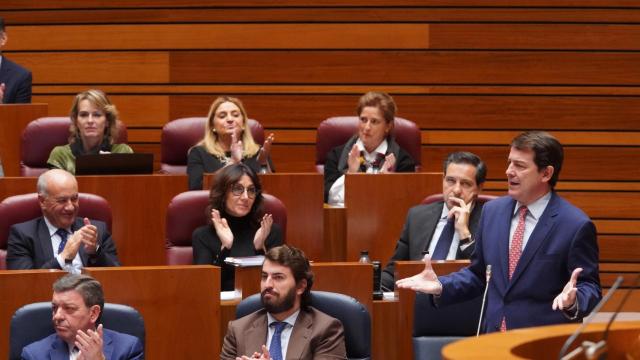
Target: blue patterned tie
<point>444,242</point>
<point>63,236</point>
<point>275,349</point>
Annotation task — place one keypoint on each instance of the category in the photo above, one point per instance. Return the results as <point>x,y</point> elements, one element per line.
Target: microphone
<point>591,348</point>
<point>595,350</point>
<point>484,297</point>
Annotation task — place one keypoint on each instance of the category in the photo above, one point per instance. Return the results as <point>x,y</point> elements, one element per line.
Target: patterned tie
<point>275,349</point>
<point>516,250</point>
<point>63,236</point>
<point>444,242</point>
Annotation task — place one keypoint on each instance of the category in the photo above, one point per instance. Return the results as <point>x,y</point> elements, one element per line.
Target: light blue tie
<point>275,349</point>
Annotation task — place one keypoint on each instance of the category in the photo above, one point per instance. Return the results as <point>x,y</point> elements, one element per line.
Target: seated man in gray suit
<point>446,232</point>
<point>59,239</point>
<point>292,328</point>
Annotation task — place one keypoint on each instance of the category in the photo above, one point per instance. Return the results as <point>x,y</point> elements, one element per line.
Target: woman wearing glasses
<point>236,226</point>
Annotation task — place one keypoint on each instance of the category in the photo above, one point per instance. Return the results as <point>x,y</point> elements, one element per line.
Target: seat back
<point>42,135</point>
<point>439,197</point>
<point>178,136</point>
<point>433,328</point>
<point>32,322</point>
<point>336,131</point>
<point>353,315</point>
<point>21,208</point>
<point>187,211</point>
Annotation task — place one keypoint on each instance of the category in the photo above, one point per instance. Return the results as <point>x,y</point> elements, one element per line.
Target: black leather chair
<point>433,328</point>
<point>32,322</point>
<point>353,315</point>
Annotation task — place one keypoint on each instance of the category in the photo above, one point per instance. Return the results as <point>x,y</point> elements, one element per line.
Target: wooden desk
<point>377,209</point>
<point>303,197</point>
<point>179,304</point>
<point>542,342</point>
<point>13,119</point>
<point>139,206</point>
<point>406,299</point>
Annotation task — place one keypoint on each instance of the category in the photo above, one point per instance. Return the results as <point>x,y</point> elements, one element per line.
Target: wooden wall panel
<point>581,163</point>
<point>92,4</point>
<point>219,36</point>
<point>406,67</point>
<point>93,68</point>
<point>319,14</point>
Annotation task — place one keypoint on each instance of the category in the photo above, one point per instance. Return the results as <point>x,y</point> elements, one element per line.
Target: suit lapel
<point>431,222</point>
<point>58,350</point>
<point>44,239</point>
<point>107,346</point>
<point>299,339</point>
<point>503,238</point>
<point>256,335</point>
<point>538,236</point>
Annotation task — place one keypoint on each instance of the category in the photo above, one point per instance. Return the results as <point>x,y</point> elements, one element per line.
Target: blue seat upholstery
<point>353,315</point>
<point>32,322</point>
<point>433,328</point>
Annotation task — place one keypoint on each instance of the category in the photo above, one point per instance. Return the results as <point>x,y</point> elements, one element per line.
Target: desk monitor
<point>114,164</point>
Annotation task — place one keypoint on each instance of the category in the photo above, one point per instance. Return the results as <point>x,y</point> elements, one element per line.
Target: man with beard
<point>292,328</point>
<point>77,304</point>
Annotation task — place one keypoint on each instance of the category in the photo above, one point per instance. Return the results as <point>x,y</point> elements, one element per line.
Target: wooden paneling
<point>13,119</point>
<point>406,67</point>
<point>219,36</point>
<point>580,163</point>
<point>619,248</point>
<point>93,68</point>
<point>97,4</point>
<point>319,14</point>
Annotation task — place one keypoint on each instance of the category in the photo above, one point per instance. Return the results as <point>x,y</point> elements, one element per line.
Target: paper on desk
<point>245,261</point>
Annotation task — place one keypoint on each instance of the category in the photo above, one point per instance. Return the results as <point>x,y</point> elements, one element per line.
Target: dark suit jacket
<point>563,239</point>
<point>29,246</point>
<point>417,233</point>
<point>116,346</point>
<point>315,335</point>
<point>17,81</point>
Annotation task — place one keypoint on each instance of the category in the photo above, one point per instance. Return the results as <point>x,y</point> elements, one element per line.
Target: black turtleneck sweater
<point>207,246</point>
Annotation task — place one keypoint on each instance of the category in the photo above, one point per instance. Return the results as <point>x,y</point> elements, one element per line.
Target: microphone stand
<point>589,347</point>
<point>484,298</point>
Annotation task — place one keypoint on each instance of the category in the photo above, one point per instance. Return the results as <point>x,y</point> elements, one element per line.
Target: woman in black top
<point>371,150</point>
<point>237,226</point>
<point>227,140</point>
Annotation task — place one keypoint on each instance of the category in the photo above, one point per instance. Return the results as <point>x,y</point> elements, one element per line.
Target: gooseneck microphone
<point>484,297</point>
<point>585,323</point>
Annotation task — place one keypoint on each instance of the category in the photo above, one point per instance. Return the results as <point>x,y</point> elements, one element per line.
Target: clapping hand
<point>222,229</point>
<point>262,233</point>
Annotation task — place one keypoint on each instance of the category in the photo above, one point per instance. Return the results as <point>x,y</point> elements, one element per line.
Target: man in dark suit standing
<point>292,328</point>
<point>15,81</point>
<point>59,239</point>
<point>77,303</point>
<point>444,229</point>
<point>543,250</point>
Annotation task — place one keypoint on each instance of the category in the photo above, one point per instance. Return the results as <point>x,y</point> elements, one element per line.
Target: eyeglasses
<point>65,199</point>
<point>238,190</point>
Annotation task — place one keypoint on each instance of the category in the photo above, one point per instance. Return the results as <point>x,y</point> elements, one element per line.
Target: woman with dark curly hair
<point>237,225</point>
